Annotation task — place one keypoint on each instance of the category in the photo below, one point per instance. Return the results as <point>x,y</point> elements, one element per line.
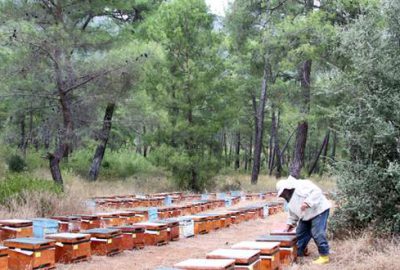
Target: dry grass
<point>361,253</point>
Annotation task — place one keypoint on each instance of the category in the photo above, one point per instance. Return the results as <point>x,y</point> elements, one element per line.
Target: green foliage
<point>15,185</point>
<point>120,163</point>
<point>16,163</point>
<point>368,197</point>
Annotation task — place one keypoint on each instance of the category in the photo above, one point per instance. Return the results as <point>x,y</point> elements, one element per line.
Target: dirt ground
<point>196,247</point>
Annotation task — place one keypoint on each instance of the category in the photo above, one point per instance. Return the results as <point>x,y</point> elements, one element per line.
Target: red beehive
<point>16,228</point>
<point>71,247</point>
<point>132,237</point>
<point>173,228</point>
<point>269,253</point>
<point>3,258</point>
<point>69,223</point>
<point>244,259</point>
<point>287,246</point>
<point>89,222</point>
<point>30,253</point>
<point>206,264</point>
<point>105,242</point>
<point>156,234</point>
<point>109,220</point>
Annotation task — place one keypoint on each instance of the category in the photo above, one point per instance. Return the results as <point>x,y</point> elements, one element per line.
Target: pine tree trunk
<point>145,148</point>
<point>322,149</point>
<point>302,127</point>
<point>259,128</point>
<point>103,139</point>
<point>237,151</point>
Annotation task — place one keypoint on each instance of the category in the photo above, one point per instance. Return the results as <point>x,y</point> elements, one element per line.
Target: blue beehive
<point>167,200</point>
<point>228,201</point>
<point>44,226</point>
<point>204,196</point>
<point>221,195</point>
<point>235,193</point>
<point>153,213</point>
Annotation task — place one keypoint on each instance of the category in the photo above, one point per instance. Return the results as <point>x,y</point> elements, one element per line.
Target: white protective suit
<point>307,192</point>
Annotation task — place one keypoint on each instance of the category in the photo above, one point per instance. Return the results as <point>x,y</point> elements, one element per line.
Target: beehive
<point>70,224</point>
<point>71,247</point>
<point>44,226</point>
<point>30,253</point>
<point>213,221</point>
<point>89,222</point>
<point>128,217</point>
<point>16,228</point>
<point>200,224</point>
<point>269,251</point>
<point>105,242</point>
<point>3,258</point>
<point>173,228</point>
<point>109,219</point>
<point>132,237</point>
<point>186,227</point>
<point>156,234</point>
<point>244,259</point>
<point>287,246</point>
<point>206,264</point>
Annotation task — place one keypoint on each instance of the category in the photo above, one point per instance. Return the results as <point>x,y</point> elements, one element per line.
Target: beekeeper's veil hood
<point>289,183</point>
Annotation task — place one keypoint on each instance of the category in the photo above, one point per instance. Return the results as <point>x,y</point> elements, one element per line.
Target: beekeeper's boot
<point>323,259</point>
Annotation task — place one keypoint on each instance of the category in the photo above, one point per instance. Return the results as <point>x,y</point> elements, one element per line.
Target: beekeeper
<point>309,211</point>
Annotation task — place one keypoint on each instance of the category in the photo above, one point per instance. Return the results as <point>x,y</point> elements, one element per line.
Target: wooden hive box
<point>206,264</point>
<point>244,259</point>
<point>109,219</point>
<point>16,228</point>
<point>105,242</point>
<point>269,253</point>
<point>173,228</point>
<point>30,253</point>
<point>71,247</point>
<point>127,217</point>
<point>287,246</point>
<point>215,220</point>
<point>70,224</point>
<point>132,236</point>
<point>156,234</point>
<point>3,258</point>
<point>200,224</point>
<point>89,222</point>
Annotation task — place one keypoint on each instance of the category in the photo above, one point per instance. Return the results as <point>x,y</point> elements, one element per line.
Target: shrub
<point>15,185</point>
<point>368,197</point>
<point>16,163</point>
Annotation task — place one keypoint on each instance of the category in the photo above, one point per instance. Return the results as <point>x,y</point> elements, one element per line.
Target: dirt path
<point>166,256</point>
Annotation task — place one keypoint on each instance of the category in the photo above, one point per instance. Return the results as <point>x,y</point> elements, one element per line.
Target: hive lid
<point>131,229</point>
<point>241,256</point>
<point>285,240</point>
<point>103,232</point>
<point>153,225</point>
<point>29,243</point>
<point>66,218</point>
<point>16,222</point>
<point>206,264</point>
<point>68,236</point>
<point>264,247</point>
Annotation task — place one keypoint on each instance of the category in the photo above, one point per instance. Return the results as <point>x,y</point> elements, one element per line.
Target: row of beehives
<point>269,252</point>
<point>25,252</point>
<point>159,199</point>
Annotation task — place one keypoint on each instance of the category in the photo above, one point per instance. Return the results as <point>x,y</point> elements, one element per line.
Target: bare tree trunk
<point>237,151</point>
<point>103,139</point>
<point>22,140</point>
<point>259,127</point>
<point>302,127</point>
<point>323,148</point>
<point>333,149</point>
<point>145,148</point>
<point>276,159</point>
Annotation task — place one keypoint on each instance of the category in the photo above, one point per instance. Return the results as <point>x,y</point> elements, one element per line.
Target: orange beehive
<point>173,228</point>
<point>109,219</point>
<point>287,246</point>
<point>16,228</point>
<point>244,259</point>
<point>3,258</point>
<point>89,222</point>
<point>68,223</point>
<point>30,253</point>
<point>200,224</point>
<point>269,253</point>
<point>105,242</point>
<point>71,247</point>
<point>206,264</point>
<point>156,234</point>
<point>132,237</point>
